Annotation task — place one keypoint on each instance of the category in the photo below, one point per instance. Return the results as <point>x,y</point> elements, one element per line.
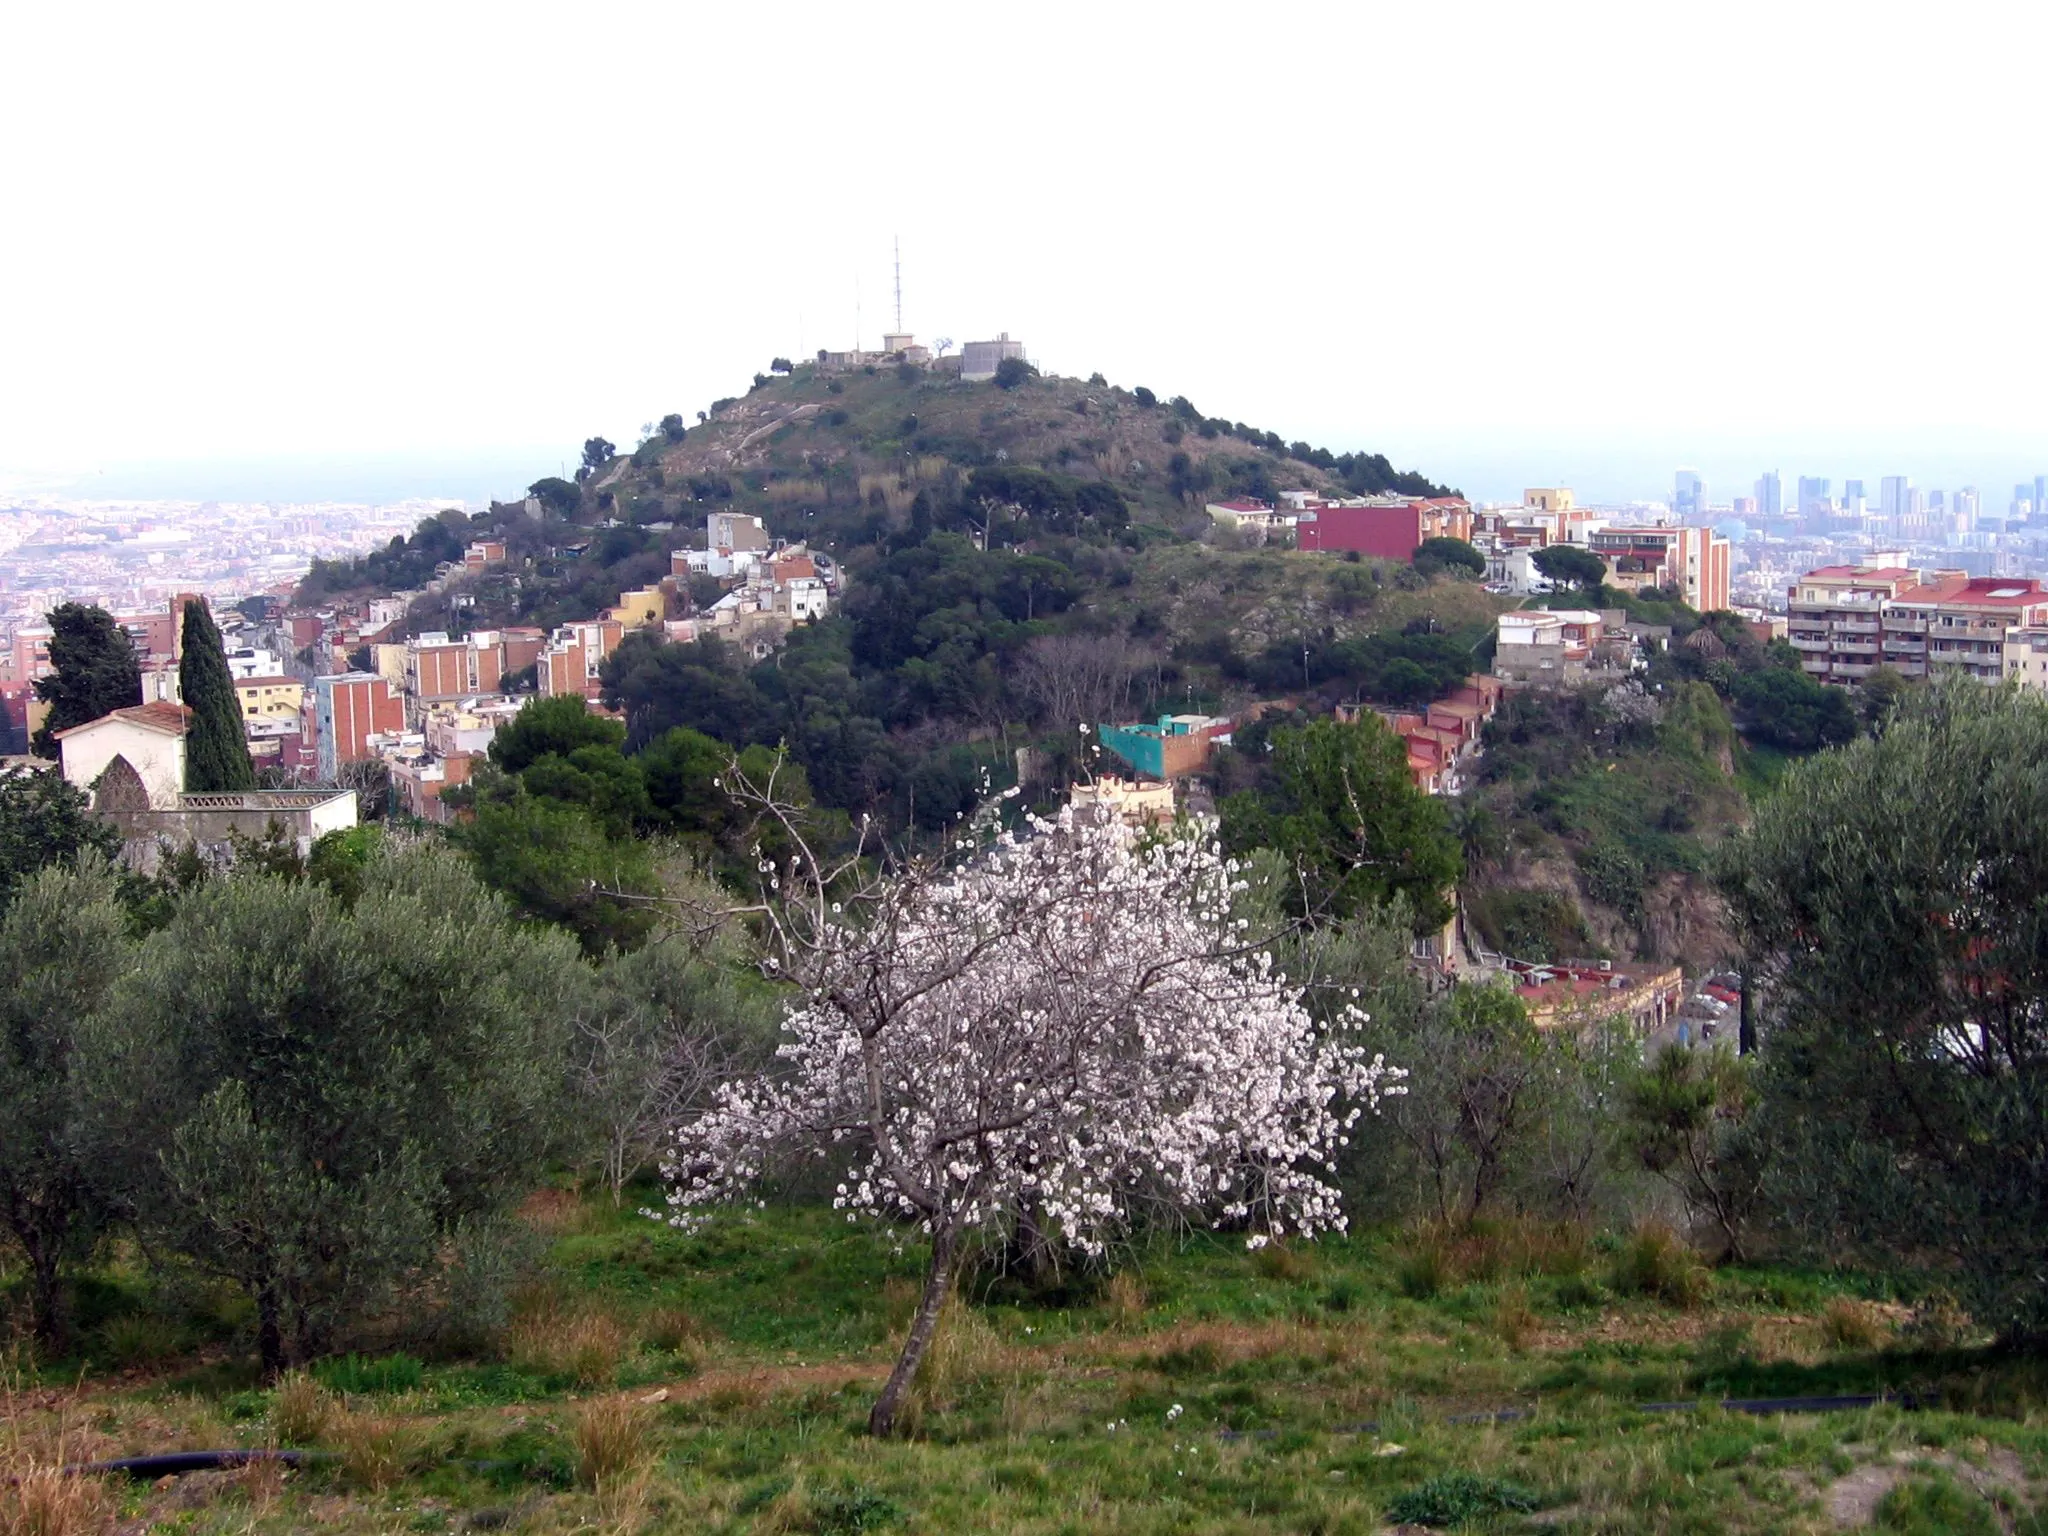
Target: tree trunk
<point>269,1332</point>
<point>938,1281</point>
<point>46,1297</point>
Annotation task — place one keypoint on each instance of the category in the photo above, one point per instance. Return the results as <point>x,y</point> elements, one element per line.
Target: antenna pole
<point>899,285</point>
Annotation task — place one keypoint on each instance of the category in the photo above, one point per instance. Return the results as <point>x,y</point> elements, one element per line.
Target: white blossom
<point>1063,1020</point>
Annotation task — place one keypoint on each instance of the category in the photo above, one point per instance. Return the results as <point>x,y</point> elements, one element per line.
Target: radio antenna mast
<point>899,285</point>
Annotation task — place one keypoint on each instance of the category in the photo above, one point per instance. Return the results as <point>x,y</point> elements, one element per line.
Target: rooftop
<point>170,719</point>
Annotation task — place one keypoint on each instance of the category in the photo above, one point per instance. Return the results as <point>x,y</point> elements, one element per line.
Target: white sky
<point>1521,235</point>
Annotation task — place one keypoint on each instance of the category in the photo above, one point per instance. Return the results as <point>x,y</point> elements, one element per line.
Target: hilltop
<point>805,448</point>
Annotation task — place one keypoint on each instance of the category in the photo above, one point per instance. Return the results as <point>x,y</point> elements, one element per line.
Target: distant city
<point>130,555</point>
<point>1782,528</point>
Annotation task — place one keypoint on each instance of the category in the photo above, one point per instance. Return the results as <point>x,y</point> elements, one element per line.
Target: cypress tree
<point>216,755</point>
<point>96,671</point>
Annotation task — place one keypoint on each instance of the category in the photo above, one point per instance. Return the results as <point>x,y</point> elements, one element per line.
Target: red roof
<point>1979,592</point>
<point>159,716</point>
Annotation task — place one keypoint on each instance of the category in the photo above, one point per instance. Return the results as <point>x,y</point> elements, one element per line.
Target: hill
<point>1017,560</point>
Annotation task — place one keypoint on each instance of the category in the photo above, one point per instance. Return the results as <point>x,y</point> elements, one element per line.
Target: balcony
<point>1860,625</point>
<point>1801,643</point>
<point>1854,669</point>
<point>1914,644</point>
<point>1898,626</point>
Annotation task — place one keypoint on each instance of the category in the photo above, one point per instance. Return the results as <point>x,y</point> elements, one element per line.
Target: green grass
<point>1306,1390</point>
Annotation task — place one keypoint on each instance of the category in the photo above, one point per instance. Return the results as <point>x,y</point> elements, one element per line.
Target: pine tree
<point>95,671</point>
<point>216,755</point>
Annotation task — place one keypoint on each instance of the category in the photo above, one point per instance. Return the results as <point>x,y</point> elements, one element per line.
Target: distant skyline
<point>463,238</point>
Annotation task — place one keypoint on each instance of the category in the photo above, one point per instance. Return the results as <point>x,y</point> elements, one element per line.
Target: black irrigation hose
<point>178,1463</point>
<point>1751,1405</point>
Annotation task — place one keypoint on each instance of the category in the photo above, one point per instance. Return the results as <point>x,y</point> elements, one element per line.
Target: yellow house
<point>270,698</point>
<point>641,609</point>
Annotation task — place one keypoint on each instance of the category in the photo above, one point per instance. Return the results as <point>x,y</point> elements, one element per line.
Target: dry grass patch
<point>611,1442</point>
<point>38,1498</point>
<point>555,1212</point>
<point>375,1448</point>
<point>1123,1299</point>
<point>1436,1255</point>
<point>1850,1324</point>
<point>582,1342</point>
<point>38,1439</point>
<point>300,1410</point>
<point>1514,1319</point>
<point>1656,1261</point>
<point>669,1329</point>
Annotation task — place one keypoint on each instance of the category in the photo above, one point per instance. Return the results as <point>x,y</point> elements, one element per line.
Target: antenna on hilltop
<point>899,285</point>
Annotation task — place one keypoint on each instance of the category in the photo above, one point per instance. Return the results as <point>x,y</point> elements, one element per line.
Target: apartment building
<point>1954,622</point>
<point>1846,620</point>
<point>1834,617</point>
<point>270,699</point>
<point>437,670</point>
<point>348,709</point>
<point>1697,561</point>
<point>2026,658</point>
<point>1385,527</point>
<point>574,659</point>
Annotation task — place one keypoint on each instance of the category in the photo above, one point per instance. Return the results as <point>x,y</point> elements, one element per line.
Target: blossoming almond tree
<point>1064,1022</point>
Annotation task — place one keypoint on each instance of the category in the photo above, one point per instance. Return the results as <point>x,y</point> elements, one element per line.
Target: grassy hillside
<point>652,1381</point>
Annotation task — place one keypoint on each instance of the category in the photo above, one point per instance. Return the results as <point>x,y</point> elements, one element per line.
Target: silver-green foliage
<point>1894,896</point>
<point>320,1101</point>
<point>62,944</point>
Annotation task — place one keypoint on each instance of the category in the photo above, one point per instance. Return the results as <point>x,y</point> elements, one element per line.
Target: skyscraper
<point>1966,508</point>
<point>1813,495</point>
<point>1770,494</point>
<point>1690,499</point>
<point>1895,496</point>
<point>1853,492</point>
<point>2040,491</point>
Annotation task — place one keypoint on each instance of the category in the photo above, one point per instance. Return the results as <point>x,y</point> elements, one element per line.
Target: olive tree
<point>1061,1021</point>
<point>317,1101</point>
<point>1893,898</point>
<point>62,944</point>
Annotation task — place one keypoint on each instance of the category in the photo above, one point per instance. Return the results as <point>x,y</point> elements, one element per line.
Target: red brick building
<point>1385,527</point>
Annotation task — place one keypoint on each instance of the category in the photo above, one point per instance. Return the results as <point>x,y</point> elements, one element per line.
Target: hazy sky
<point>1502,242</point>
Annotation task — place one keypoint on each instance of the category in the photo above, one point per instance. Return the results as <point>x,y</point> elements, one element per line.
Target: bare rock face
<point>1684,921</point>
